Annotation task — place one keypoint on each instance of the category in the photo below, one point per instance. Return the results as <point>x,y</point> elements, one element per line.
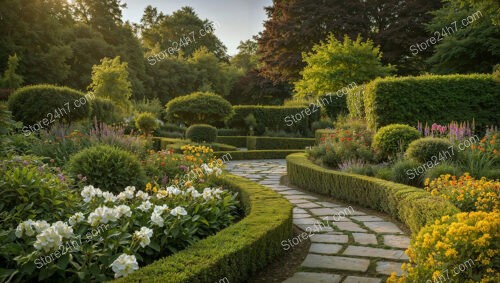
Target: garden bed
<point>236,252</point>
<point>413,206</point>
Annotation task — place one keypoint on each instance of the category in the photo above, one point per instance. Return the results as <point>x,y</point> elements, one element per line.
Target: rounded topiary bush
<point>201,133</point>
<point>463,247</point>
<point>146,122</point>
<point>431,149</point>
<point>393,139</point>
<point>199,107</point>
<point>107,168</point>
<point>45,104</point>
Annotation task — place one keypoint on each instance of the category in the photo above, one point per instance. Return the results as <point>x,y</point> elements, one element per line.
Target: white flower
<point>145,206</point>
<point>157,219</point>
<point>178,211</point>
<point>207,194</point>
<point>143,236</point>
<point>123,210</point>
<point>41,225</point>
<point>160,209</point>
<point>207,169</point>
<point>63,229</point>
<point>109,197</point>
<point>48,240</point>
<point>194,193</point>
<point>76,218</point>
<point>90,192</point>
<point>25,228</point>
<point>124,265</point>
<point>173,190</point>
<point>128,193</point>
<point>142,195</point>
<point>218,171</point>
<point>103,215</point>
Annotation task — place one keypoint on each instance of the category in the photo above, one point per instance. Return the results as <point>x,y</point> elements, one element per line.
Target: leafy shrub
<point>321,124</point>
<point>442,169</point>
<point>33,189</point>
<point>407,100</point>
<point>107,167</point>
<point>280,143</point>
<point>431,149</point>
<point>103,110</point>
<point>46,104</point>
<point>201,133</point>
<point>466,241</point>
<point>169,130</point>
<point>384,173</point>
<point>152,106</point>
<point>199,107</point>
<point>481,156</point>
<point>356,102</point>
<point>467,193</point>
<point>256,154</point>
<point>177,147</point>
<point>400,173</point>
<point>146,122</point>
<point>393,139</point>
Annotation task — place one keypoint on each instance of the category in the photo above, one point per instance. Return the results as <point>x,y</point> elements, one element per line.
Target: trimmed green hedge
<point>261,143</point>
<point>256,154</point>
<point>433,99</point>
<point>275,118</point>
<point>413,206</point>
<point>236,252</point>
<point>238,141</point>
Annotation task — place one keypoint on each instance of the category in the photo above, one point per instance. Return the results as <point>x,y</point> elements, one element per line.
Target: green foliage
<point>275,118</point>
<point>199,107</point>
<point>442,169</point>
<point>356,102</point>
<point>201,133</point>
<point>32,189</point>
<point>466,37</point>
<point>431,149</point>
<point>250,121</point>
<point>146,122</point>
<point>237,141</point>
<point>257,154</point>
<point>176,147</point>
<point>249,244</point>
<point>332,65</point>
<point>400,173</point>
<point>110,80</point>
<point>149,105</point>
<point>108,168</point>
<point>433,99</point>
<point>251,143</point>
<point>321,124</point>
<point>282,143</point>
<point>334,105</point>
<point>393,139</point>
<point>103,110</point>
<point>414,207</point>
<point>169,130</point>
<point>10,78</point>
<point>46,104</point>
<point>231,132</point>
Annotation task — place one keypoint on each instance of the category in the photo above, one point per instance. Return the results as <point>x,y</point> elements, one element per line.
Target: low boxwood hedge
<point>238,141</point>
<point>415,207</point>
<point>256,154</point>
<point>236,252</point>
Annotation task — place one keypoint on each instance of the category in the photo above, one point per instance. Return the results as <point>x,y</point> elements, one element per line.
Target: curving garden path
<point>347,245</point>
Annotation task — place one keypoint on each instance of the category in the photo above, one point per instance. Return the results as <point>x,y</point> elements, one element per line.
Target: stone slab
<point>375,252</point>
<point>313,277</point>
<point>365,238</point>
<point>329,238</point>
<point>336,262</point>
<point>319,248</point>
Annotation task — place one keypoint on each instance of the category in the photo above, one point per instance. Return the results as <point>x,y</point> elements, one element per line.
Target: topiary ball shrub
<point>431,149</point>
<point>38,106</point>
<point>107,168</point>
<point>465,246</point>
<point>403,172</point>
<point>146,122</point>
<point>199,107</point>
<point>201,133</point>
<point>393,139</point>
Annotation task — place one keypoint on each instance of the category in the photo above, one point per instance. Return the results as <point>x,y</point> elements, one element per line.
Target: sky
<point>237,20</point>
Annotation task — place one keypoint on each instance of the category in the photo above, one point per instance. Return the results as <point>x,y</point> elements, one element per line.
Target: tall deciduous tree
<point>10,78</point>
<point>333,65</point>
<point>110,80</point>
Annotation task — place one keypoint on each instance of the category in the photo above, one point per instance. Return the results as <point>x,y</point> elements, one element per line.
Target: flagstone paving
<point>347,245</point>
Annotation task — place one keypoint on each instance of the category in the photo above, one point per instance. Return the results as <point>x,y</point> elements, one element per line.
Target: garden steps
<point>347,245</point>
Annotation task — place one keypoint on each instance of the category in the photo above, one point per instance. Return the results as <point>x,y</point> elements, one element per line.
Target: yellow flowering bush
<point>467,193</point>
<point>461,248</point>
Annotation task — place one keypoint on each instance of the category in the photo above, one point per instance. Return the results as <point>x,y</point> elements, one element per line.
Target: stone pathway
<point>347,245</point>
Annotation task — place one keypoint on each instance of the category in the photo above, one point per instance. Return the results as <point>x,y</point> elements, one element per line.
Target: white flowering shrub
<point>112,235</point>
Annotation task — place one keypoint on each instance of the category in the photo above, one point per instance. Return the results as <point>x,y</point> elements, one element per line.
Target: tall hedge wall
<point>234,253</point>
<point>275,117</point>
<point>411,205</point>
<point>439,99</point>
